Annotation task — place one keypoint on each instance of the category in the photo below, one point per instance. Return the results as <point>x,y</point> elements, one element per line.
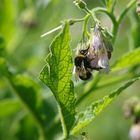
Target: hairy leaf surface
<point>84,118</point>
<point>57,76</point>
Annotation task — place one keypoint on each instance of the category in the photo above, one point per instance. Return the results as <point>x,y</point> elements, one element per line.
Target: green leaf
<point>130,59</point>
<point>135,31</point>
<point>57,76</point>
<point>27,90</point>
<point>2,47</point>
<point>8,15</point>
<point>3,67</point>
<point>84,118</point>
<point>9,107</point>
<point>109,4</point>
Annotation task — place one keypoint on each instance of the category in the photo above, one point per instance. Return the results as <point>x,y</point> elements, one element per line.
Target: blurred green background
<point>21,24</point>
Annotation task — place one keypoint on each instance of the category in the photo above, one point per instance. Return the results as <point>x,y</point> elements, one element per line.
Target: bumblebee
<point>82,67</point>
<point>96,55</point>
<point>85,62</point>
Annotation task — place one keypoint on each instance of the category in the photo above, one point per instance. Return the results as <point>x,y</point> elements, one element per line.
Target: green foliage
<point>135,31</point>
<point>109,4</point>
<point>3,68</point>
<point>27,90</point>
<point>130,59</point>
<point>7,10</point>
<point>21,58</point>
<point>57,76</point>
<point>84,118</point>
<point>9,107</point>
<point>2,46</point>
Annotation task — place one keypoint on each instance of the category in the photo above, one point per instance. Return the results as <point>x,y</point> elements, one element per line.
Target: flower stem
<point>104,10</point>
<point>124,12</point>
<point>92,14</point>
<point>85,33</point>
<point>113,19</point>
<point>116,22</point>
<point>113,6</point>
<point>120,18</point>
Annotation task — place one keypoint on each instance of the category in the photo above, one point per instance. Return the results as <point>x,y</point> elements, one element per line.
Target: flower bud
<point>138,7</point>
<point>80,3</point>
<point>131,107</point>
<point>134,133</point>
<point>28,18</point>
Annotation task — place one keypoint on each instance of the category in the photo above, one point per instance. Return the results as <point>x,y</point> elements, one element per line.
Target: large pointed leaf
<point>84,118</point>
<point>129,59</point>
<point>28,92</point>
<point>57,76</point>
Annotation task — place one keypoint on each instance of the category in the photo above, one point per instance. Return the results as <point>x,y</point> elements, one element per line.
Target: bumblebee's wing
<point>75,73</point>
<point>84,74</point>
<point>81,72</point>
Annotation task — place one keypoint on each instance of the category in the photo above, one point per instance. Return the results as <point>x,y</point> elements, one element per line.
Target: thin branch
<point>104,10</point>
<point>92,15</point>
<point>120,18</point>
<point>129,5</point>
<point>113,19</point>
<point>85,27</point>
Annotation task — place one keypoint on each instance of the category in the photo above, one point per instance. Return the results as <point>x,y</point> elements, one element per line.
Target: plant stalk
<point>120,18</point>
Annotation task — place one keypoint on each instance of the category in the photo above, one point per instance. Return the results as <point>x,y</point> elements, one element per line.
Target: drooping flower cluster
<point>94,54</point>
<point>100,49</point>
